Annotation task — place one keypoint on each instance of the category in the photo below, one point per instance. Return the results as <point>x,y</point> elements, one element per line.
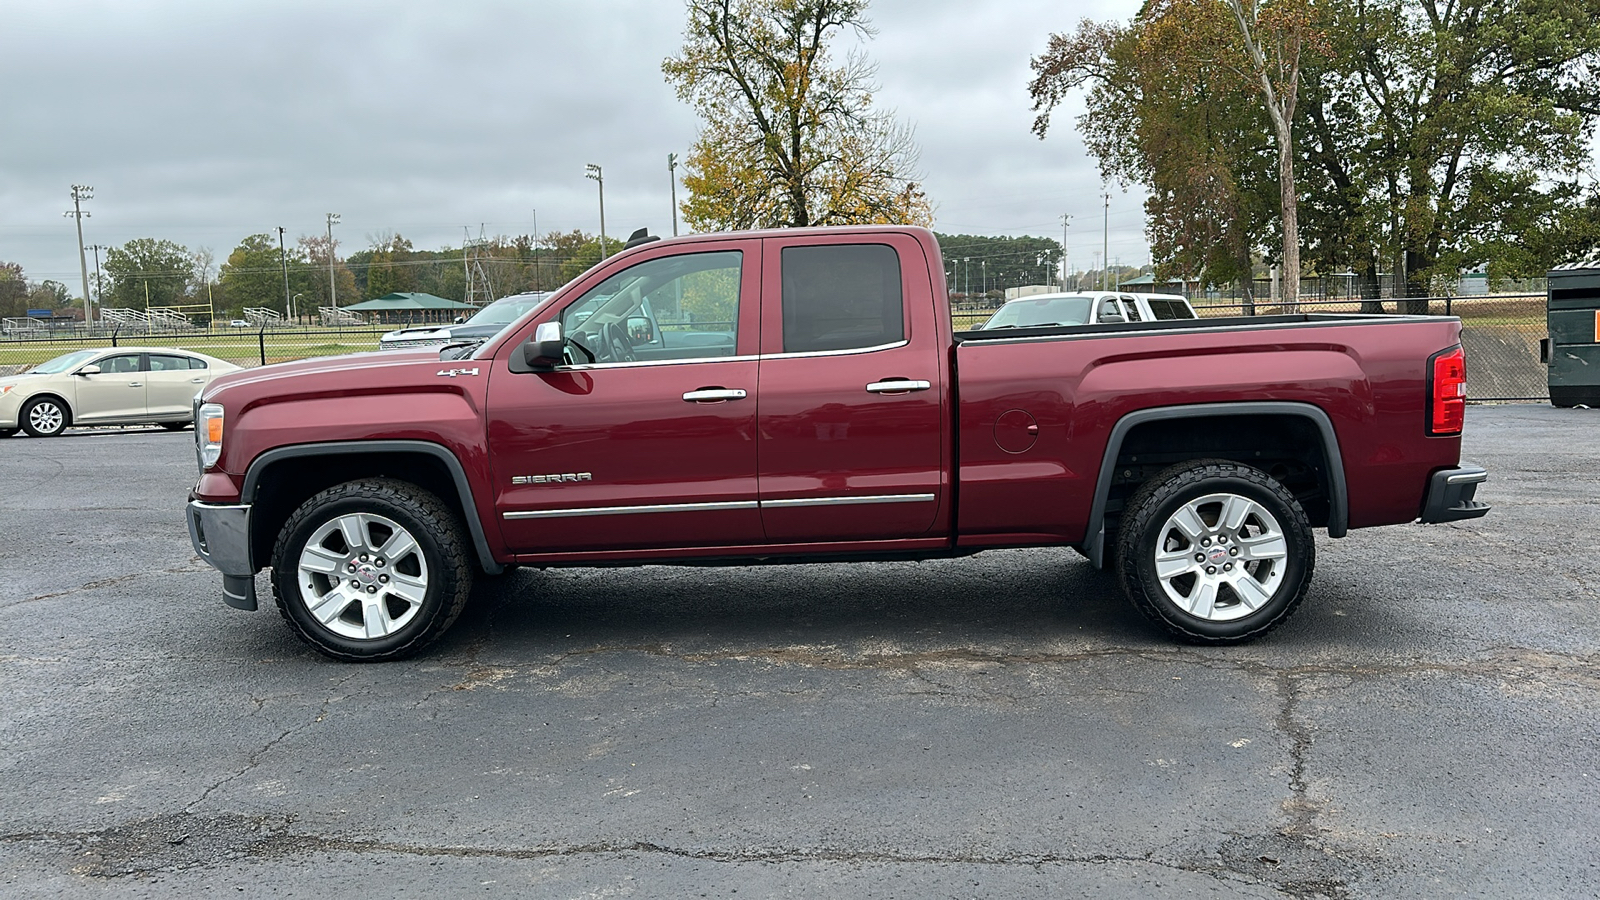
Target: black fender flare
<point>458,475</point>
<point>1338,502</point>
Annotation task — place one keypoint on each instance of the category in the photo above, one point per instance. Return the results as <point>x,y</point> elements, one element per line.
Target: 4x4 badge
<point>451,373</point>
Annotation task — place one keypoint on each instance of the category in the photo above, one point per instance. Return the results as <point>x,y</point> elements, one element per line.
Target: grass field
<point>240,347</point>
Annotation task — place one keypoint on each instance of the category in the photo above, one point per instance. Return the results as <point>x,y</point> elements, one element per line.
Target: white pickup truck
<point>1088,308</point>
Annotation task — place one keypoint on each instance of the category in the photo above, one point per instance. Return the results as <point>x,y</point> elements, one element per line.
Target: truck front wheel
<point>371,570</point>
<point>1215,552</point>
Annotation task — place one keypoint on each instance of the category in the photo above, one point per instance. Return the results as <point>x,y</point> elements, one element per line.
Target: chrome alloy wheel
<point>46,417</point>
<point>362,576</point>
<point>1221,556</point>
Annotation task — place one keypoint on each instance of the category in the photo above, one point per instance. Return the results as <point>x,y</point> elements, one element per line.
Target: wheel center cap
<point>1217,556</point>
<point>365,572</point>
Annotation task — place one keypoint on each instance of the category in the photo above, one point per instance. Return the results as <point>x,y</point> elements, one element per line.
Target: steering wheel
<point>618,347</point>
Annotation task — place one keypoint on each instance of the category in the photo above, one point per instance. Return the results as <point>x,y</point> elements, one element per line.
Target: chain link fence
<point>256,345</point>
<point>1501,335</point>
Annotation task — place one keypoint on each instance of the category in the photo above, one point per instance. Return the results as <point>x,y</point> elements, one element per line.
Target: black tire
<point>440,555</point>
<point>1251,589</point>
<point>45,417</point>
<point>175,426</point>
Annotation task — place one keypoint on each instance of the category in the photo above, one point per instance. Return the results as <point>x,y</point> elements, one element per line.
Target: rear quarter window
<point>841,297</point>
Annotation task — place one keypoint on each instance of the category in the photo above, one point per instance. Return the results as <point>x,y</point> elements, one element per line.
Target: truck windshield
<point>506,310</point>
<point>1028,312</point>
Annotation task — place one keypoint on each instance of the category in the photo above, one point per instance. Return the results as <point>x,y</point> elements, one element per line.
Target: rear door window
<point>161,362</point>
<point>841,297</point>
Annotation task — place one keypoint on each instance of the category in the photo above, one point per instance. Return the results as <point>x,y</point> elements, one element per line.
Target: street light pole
<point>80,193</point>
<point>1105,248</point>
<point>672,173</point>
<point>99,289</point>
<point>333,287</point>
<point>966,263</point>
<point>283,259</point>
<point>1065,220</point>
<point>594,172</point>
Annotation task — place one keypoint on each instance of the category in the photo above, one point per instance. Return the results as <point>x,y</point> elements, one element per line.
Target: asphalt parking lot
<point>1002,725</point>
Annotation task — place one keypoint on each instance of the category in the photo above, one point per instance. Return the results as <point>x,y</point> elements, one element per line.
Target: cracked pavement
<point>1002,725</point>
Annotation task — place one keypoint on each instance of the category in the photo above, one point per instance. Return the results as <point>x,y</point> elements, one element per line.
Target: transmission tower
<point>480,291</point>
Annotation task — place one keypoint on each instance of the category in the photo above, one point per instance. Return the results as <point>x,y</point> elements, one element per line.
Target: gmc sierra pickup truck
<point>802,395</point>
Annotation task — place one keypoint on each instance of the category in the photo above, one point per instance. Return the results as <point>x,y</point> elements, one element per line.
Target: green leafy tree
<point>1429,136</point>
<point>316,251</point>
<point>1182,81</point>
<point>790,136</point>
<point>998,263</point>
<point>147,272</point>
<point>389,267</point>
<point>14,290</point>
<point>252,275</point>
<point>1467,122</point>
<point>54,296</point>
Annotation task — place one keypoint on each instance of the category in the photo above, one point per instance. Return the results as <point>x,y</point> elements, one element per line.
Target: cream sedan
<point>114,386</point>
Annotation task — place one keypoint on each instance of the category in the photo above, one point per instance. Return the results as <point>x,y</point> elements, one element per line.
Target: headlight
<point>208,431</point>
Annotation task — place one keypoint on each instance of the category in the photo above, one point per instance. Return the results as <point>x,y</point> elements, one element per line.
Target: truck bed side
<point>1364,373</point>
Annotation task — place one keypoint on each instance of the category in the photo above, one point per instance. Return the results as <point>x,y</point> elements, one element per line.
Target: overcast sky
<point>203,122</point>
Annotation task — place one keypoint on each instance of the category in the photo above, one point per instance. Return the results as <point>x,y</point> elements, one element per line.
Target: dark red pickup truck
<point>802,395</point>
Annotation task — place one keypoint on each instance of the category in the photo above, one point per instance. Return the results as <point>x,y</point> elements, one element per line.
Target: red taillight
<point>1448,409</point>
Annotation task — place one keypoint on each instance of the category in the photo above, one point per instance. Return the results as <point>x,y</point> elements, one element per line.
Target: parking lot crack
<point>104,583</point>
<point>187,840</point>
<point>254,759</point>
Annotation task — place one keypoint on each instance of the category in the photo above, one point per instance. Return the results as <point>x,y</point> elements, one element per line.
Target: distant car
<point>239,323</point>
<point>112,386</point>
<point>484,324</point>
<point>1088,308</point>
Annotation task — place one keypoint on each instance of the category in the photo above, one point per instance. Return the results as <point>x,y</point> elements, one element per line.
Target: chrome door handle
<point>897,387</point>
<point>712,395</point>
<point>197,381</point>
<point>135,384</point>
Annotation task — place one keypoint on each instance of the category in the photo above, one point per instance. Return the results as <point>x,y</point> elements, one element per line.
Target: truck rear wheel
<point>371,570</point>
<point>1215,552</point>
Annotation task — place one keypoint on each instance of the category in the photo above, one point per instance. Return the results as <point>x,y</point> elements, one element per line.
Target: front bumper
<point>1450,494</point>
<point>11,409</point>
<point>221,535</point>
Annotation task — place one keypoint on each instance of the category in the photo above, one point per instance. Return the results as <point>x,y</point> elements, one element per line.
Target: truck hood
<point>399,369</point>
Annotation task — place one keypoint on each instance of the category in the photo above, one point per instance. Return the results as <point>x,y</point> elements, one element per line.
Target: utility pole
<point>1105,247</point>
<point>966,264</point>
<point>983,269</point>
<point>283,259</point>
<point>333,288</point>
<point>1064,255</point>
<point>99,289</point>
<point>80,193</point>
<point>536,281</point>
<point>466,265</point>
<point>594,173</point>
<point>672,172</point>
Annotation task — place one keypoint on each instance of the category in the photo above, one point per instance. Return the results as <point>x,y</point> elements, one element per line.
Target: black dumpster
<point>1572,351</point>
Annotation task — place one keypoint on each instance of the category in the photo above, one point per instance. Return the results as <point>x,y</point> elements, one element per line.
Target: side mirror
<point>460,319</point>
<point>545,351</point>
<point>1109,313</point>
<point>89,370</point>
<point>641,330</point>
